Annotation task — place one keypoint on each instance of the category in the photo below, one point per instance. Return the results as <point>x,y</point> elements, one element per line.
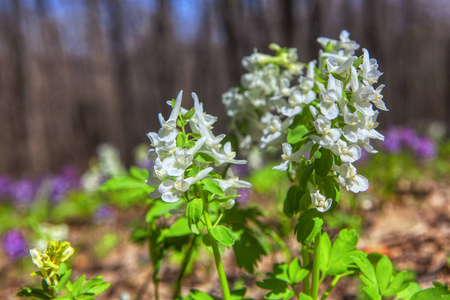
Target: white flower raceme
<point>175,168</point>
<point>321,202</point>
<point>338,89</point>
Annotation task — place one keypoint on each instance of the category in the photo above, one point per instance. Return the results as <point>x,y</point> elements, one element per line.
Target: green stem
<point>280,243</point>
<point>184,265</point>
<point>316,271</point>
<point>156,261</point>
<point>305,260</point>
<point>218,260</point>
<point>333,284</point>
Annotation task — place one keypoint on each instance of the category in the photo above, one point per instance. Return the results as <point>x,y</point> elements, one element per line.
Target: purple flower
<point>392,141</point>
<point>408,137</point>
<point>72,176</point>
<point>240,170</point>
<point>425,148</point>
<point>60,187</point>
<point>23,191</point>
<point>5,183</point>
<point>145,164</point>
<point>14,244</point>
<point>104,213</point>
<point>245,195</point>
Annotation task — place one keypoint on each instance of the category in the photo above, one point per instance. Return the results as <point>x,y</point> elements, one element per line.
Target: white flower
<point>289,157</point>
<point>321,203</point>
<point>168,131</point>
<point>232,183</point>
<point>306,84</point>
<point>369,69</point>
<point>225,155</point>
<point>347,153</point>
<point>367,128</point>
<point>274,129</point>
<point>329,135</point>
<point>351,180</point>
<point>334,66</point>
<point>203,127</point>
<point>171,191</point>
<point>176,164</point>
<point>330,97</point>
<point>227,205</point>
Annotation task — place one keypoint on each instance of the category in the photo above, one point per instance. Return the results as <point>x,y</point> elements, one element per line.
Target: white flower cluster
<point>260,106</point>
<point>338,98</point>
<point>172,161</point>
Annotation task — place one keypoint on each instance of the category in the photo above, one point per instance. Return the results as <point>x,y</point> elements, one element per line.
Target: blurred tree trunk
<point>287,18</point>
<point>122,74</point>
<point>17,138</point>
<point>52,99</point>
<point>232,25</point>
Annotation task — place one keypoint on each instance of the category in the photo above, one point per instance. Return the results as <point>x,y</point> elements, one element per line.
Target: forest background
<point>77,73</point>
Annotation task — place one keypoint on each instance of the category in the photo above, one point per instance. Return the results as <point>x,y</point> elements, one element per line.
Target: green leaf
<point>204,158</point>
<point>325,249</point>
<point>323,164</point>
<point>247,250</point>
<point>292,201</point>
<point>309,224</point>
<point>27,292</point>
<point>98,288</point>
<point>198,295</point>
<point>411,289</point>
<point>179,228</point>
<point>331,190</point>
<point>328,47</point>
<point>296,134</point>
<point>63,280</point>
<point>212,186</point>
<point>360,259</point>
<point>396,285</point>
<point>95,286</point>
<point>437,292</point>
<point>223,235</point>
<point>305,297</point>
<point>342,251</point>
<point>189,114</point>
<point>77,285</point>
<point>280,271</point>
<point>383,273</point>
<point>140,174</point>
<point>194,210</point>
<point>127,189</point>
<point>160,208</point>
<point>295,272</point>
<point>305,176</point>
<point>357,62</point>
<point>305,201</point>
<point>372,292</point>
<point>278,288</point>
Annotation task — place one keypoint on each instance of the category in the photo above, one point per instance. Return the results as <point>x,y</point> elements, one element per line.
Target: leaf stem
<point>218,259</point>
<point>184,265</point>
<point>316,271</point>
<point>305,260</point>
<point>333,284</point>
